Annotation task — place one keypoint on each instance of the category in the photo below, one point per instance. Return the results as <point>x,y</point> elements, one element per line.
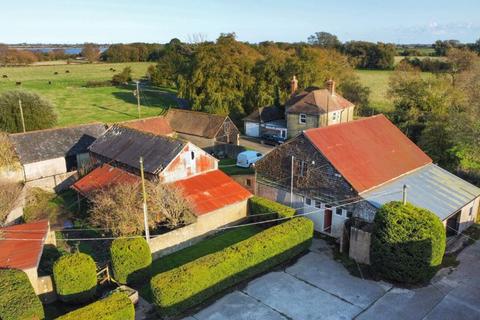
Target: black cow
<point>67,71</point>
<point>55,73</point>
<point>5,76</point>
<point>18,83</point>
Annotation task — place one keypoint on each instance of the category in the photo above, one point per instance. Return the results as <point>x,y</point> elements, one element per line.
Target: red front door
<point>327,221</point>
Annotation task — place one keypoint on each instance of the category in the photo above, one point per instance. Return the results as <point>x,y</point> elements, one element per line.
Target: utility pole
<point>291,183</point>
<point>21,115</point>
<point>328,108</point>
<point>145,211</point>
<point>137,94</point>
<point>404,198</point>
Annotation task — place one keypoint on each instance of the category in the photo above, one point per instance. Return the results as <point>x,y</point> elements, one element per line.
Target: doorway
<point>453,224</point>
<point>327,220</point>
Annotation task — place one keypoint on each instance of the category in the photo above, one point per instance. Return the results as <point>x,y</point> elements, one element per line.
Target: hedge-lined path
<point>318,287</point>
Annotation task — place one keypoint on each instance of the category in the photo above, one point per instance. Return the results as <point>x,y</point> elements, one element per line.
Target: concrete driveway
<point>318,287</point>
<point>254,144</point>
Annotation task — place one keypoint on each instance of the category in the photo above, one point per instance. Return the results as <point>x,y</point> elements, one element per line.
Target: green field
<point>75,104</point>
<point>377,81</point>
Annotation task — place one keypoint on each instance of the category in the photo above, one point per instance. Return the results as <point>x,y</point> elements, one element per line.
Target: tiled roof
<point>265,114</point>
<point>103,177</point>
<point>26,252</point>
<point>211,191</point>
<point>195,123</point>
<point>39,145</point>
<point>125,145</point>
<point>316,102</point>
<point>156,125</point>
<point>368,152</point>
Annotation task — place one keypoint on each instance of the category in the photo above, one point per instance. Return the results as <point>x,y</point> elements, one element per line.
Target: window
<point>302,119</point>
<point>303,168</point>
<point>308,201</point>
<point>318,204</point>
<point>248,182</point>
<point>192,155</point>
<point>349,214</point>
<point>283,134</point>
<point>338,211</point>
<point>470,211</point>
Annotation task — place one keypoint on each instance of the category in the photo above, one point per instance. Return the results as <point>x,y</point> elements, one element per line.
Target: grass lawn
<point>203,248</point>
<point>76,104</point>
<point>229,167</point>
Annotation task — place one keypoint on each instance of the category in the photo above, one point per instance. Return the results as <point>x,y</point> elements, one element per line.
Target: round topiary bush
<point>75,277</point>
<point>408,243</point>
<point>131,260</point>
<point>17,297</point>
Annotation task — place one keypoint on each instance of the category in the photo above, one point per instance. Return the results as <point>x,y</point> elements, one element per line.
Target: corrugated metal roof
<point>316,102</point>
<point>195,123</point>
<point>47,144</point>
<point>156,125</point>
<point>430,187</point>
<point>103,177</point>
<point>368,152</point>
<point>211,191</point>
<point>22,254</point>
<point>126,146</point>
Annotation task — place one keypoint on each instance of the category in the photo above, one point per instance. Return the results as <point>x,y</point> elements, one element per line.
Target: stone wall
<point>54,183</point>
<point>205,225</point>
<point>294,127</point>
<point>360,245</point>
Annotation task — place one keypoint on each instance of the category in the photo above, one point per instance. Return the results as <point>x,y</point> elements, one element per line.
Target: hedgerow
<point>262,206</point>
<point>17,297</point>
<point>75,277</point>
<point>131,260</point>
<point>408,243</point>
<point>116,307</point>
<point>186,286</point>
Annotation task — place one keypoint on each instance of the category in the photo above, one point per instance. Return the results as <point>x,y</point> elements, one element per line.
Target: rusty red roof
<point>211,191</point>
<point>25,252</point>
<point>368,152</point>
<point>102,177</point>
<point>156,125</point>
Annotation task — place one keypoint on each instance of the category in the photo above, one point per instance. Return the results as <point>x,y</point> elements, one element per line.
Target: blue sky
<point>111,21</point>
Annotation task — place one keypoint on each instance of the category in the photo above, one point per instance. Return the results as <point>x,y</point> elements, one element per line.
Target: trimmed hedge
<point>131,260</point>
<point>75,277</point>
<point>115,307</point>
<point>260,206</point>
<point>17,297</point>
<point>181,288</point>
<point>408,243</point>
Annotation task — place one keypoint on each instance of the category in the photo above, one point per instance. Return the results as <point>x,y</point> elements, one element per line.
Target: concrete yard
<point>318,287</point>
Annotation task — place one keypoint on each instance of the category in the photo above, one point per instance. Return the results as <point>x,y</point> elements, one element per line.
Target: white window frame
<point>312,204</point>
<point>302,118</point>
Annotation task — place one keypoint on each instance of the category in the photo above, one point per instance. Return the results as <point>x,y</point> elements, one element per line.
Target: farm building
<point>351,169</point>
<point>208,131</point>
<point>155,125</point>
<point>217,199</point>
<point>50,157</point>
<point>24,254</point>
<point>311,108</point>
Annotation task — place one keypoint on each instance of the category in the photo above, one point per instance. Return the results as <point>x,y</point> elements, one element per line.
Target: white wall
<point>252,129</point>
<point>46,168</point>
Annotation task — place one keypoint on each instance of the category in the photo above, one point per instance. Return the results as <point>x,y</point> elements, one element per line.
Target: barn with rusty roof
<point>351,169</point>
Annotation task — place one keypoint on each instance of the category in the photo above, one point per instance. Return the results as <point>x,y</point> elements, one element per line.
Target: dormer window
<point>302,119</point>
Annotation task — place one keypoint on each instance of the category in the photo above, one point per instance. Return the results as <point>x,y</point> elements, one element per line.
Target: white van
<point>247,159</point>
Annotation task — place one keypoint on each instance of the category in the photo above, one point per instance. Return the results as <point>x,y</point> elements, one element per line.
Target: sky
<point>114,21</point>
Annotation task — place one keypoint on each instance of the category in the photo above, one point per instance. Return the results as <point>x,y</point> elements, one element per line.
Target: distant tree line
<point>235,78</point>
<point>132,52</point>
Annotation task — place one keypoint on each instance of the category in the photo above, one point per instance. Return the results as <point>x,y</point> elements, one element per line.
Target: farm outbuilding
<point>50,157</point>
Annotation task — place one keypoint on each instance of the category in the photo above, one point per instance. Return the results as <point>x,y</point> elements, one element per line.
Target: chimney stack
<point>330,84</point>
<point>293,85</point>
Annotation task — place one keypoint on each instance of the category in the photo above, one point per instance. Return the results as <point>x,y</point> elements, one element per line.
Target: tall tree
<point>91,52</point>
<point>325,40</point>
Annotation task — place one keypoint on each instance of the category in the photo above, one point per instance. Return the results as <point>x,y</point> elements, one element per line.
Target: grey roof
<point>265,114</point>
<point>39,145</point>
<point>127,145</point>
<point>429,187</point>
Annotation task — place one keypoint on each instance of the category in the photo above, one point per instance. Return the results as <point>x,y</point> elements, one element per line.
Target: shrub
<point>75,277</point>
<point>260,206</point>
<point>9,194</point>
<point>98,84</point>
<point>131,260</point>
<point>40,205</point>
<point>115,307</point>
<point>8,157</point>
<point>185,286</point>
<point>38,112</point>
<point>17,297</point>
<point>408,243</point>
<point>122,77</point>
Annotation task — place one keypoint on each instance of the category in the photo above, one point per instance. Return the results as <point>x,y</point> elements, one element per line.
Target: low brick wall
<point>204,226</point>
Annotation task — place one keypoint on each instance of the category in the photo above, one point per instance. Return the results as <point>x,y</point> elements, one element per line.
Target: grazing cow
<point>55,73</point>
<point>114,70</point>
<point>111,69</point>
<point>5,76</point>
<point>49,82</point>
<point>67,71</point>
<point>18,83</point>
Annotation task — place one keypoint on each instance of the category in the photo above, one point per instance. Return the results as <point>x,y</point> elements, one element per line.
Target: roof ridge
<point>345,123</point>
<point>147,133</point>
<point>57,128</point>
